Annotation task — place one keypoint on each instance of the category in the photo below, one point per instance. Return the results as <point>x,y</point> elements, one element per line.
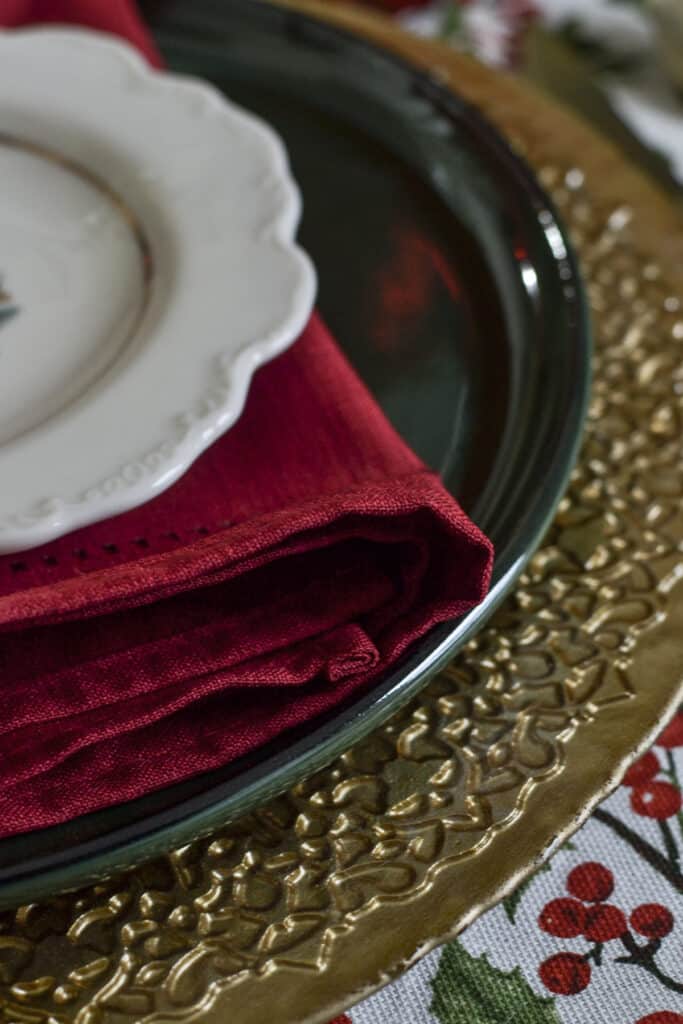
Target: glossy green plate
<point>448,281</point>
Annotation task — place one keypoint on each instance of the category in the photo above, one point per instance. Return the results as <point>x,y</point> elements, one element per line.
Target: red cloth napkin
<point>297,560</point>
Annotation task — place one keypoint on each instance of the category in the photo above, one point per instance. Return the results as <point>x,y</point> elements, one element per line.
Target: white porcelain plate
<point>147,267</point>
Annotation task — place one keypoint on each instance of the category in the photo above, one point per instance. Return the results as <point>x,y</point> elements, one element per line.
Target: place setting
<point>340,515</point>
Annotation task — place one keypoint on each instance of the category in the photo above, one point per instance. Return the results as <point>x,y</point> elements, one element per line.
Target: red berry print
<point>341,1020</point>
<point>672,735</point>
<point>590,881</point>
<point>565,974</point>
<point>658,800</point>
<point>563,917</point>
<point>642,770</point>
<point>604,922</point>
<point>652,920</point>
<point>661,1017</point>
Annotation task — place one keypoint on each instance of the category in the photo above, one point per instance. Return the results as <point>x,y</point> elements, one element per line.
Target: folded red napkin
<point>296,561</point>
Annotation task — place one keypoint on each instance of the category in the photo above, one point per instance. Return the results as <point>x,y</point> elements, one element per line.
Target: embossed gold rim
<point>313,901</point>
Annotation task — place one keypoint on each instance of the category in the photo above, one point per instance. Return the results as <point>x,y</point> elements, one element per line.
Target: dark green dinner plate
<point>448,281</point>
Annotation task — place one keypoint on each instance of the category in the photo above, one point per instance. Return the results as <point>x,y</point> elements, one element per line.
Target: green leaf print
<point>451,27</point>
<point>511,902</point>
<point>470,990</point>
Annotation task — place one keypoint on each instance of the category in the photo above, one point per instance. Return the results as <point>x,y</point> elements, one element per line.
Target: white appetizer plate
<point>147,268</point>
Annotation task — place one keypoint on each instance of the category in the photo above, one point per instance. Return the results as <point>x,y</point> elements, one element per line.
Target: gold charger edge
<point>298,910</point>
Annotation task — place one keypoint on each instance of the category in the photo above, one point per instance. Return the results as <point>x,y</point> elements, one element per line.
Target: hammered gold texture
<point>305,905</point>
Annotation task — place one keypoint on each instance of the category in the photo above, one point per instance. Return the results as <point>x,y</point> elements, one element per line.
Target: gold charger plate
<point>308,904</point>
